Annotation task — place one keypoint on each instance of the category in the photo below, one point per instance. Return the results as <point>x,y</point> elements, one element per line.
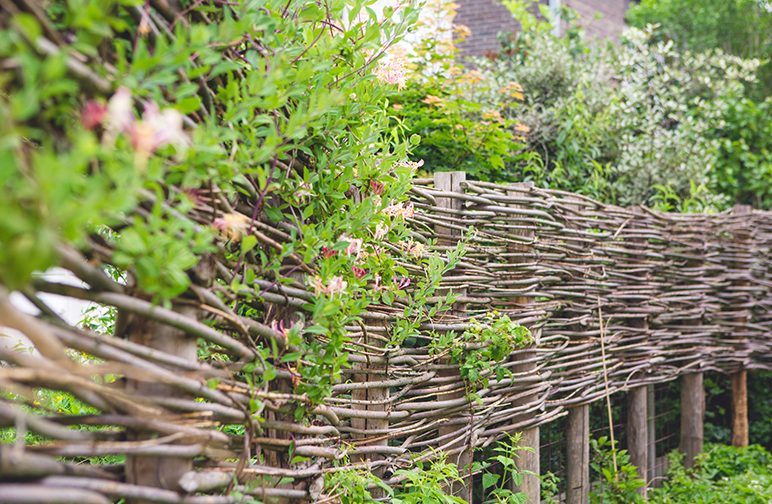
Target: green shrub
<point>723,474</point>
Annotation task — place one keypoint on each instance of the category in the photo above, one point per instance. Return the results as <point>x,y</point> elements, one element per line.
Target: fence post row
<point>460,454</point>
<point>529,460</point>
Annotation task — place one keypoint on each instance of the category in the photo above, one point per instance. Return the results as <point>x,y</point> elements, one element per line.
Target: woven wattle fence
<point>669,294</point>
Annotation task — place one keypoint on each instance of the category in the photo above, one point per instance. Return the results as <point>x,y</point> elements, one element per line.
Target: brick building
<point>486,18</point>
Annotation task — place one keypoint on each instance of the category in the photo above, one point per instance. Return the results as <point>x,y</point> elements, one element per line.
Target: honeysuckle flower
<point>93,114</point>
<point>403,282</point>
<point>327,252</point>
<point>285,330</point>
<point>376,187</point>
<point>120,113</point>
<point>232,225</point>
<point>391,71</point>
<point>399,210</point>
<point>336,285</point>
<point>413,165</point>
<point>412,248</point>
<point>397,106</point>
<point>522,127</point>
<point>318,284</point>
<point>355,245</point>
<point>157,129</point>
<point>381,231</point>
<point>378,287</point>
<point>358,272</point>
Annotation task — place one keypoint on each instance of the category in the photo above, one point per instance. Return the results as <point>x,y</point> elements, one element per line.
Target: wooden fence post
<point>637,402</point>
<point>159,472</point>
<point>739,378</point>
<point>578,455</point>
<point>692,411</point>
<point>451,182</point>
<point>651,435</point>
<point>529,460</point>
<point>577,439</point>
<point>637,436</point>
<point>376,399</point>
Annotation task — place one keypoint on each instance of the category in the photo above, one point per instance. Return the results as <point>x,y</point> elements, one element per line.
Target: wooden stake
<point>739,379</point>
<point>692,411</point>
<point>578,455</point>
<point>651,434</point>
<point>159,472</point>
<point>739,408</point>
<point>529,460</point>
<point>451,181</point>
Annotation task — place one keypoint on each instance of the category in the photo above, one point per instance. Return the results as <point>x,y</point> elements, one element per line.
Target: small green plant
<point>350,486</point>
<point>500,470</point>
<point>619,481</point>
<point>549,488</point>
<point>427,483</point>
<point>481,349</point>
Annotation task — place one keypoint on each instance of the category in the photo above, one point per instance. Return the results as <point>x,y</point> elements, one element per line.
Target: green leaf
<point>489,480</point>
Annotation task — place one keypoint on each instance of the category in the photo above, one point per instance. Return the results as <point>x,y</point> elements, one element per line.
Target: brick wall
<point>485,19</point>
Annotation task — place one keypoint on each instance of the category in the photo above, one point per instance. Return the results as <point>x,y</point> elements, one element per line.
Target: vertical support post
<point>451,182</point>
<point>577,442</point>
<point>529,460</point>
<point>578,455</point>
<point>739,381</point>
<point>159,472</point>
<point>692,413</point>
<point>637,400</point>
<point>739,378</point>
<point>637,435</point>
<point>651,434</point>
<point>376,401</point>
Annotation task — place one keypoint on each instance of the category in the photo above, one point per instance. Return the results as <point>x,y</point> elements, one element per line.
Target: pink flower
<point>120,113</point>
<point>157,129</point>
<point>377,187</point>
<point>358,272</point>
<point>318,285</point>
<point>413,165</point>
<point>399,210</point>
<point>381,231</point>
<point>354,247</point>
<point>93,115</point>
<point>335,285</point>
<point>403,282</point>
<point>391,72</point>
<point>394,210</point>
<point>285,330</point>
<point>232,225</point>
<point>411,247</point>
<point>327,253</point>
